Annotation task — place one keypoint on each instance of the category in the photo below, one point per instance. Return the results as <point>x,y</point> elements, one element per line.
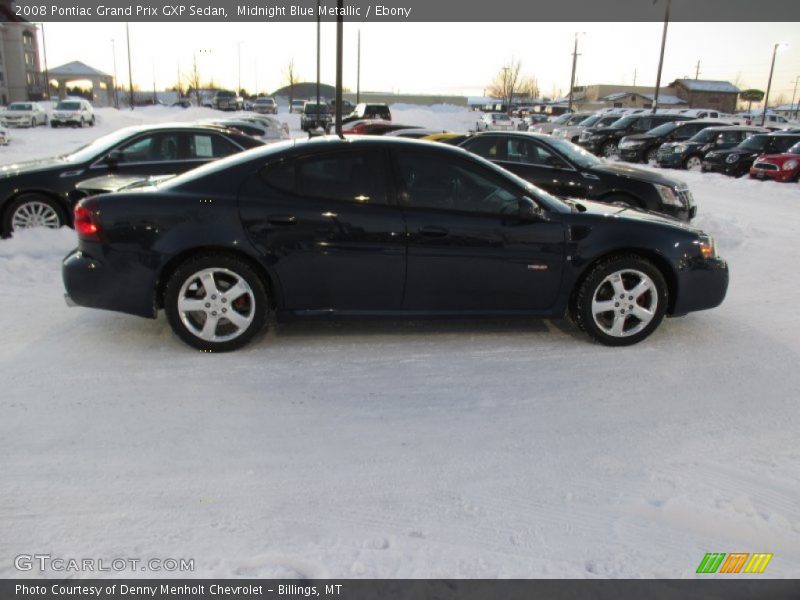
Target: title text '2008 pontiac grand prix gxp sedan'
<point>375,226</point>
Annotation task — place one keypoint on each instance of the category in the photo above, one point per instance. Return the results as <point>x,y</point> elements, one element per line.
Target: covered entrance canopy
<point>102,83</point>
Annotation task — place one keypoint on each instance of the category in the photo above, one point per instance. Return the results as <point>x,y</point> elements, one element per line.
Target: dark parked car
<point>369,226</point>
<point>690,154</point>
<point>37,193</point>
<point>737,161</point>
<point>569,171</point>
<point>316,115</point>
<point>369,111</point>
<point>643,147</point>
<point>603,141</point>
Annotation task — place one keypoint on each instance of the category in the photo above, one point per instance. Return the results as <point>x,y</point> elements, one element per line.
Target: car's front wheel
<point>693,163</point>
<point>215,302</point>
<point>32,210</point>
<point>609,150</point>
<point>621,301</point>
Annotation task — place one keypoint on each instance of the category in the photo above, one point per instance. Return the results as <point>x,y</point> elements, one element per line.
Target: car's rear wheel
<point>33,210</point>
<point>693,163</point>
<point>650,155</point>
<point>215,302</point>
<point>621,301</point>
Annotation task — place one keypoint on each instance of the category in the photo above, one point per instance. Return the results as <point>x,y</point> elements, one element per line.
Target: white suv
<point>72,111</point>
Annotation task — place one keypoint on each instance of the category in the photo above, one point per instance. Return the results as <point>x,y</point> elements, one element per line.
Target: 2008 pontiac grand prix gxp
<point>372,226</point>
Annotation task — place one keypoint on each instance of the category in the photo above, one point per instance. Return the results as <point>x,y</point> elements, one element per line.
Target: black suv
<point>603,141</point>
<point>369,111</point>
<point>690,154</point>
<point>737,161</point>
<point>642,147</point>
<point>569,171</point>
<point>315,115</point>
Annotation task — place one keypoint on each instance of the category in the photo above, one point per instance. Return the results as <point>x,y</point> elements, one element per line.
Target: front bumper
<point>725,168</point>
<point>631,154</point>
<point>670,161</point>
<point>780,175</point>
<point>702,284</point>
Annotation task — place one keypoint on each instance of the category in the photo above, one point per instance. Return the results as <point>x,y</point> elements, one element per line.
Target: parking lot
<point>460,448</point>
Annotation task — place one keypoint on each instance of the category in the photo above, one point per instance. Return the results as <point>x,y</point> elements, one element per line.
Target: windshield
<point>20,106</point>
<point>563,119</point>
<point>609,120</point>
<point>577,119</point>
<point>624,122</point>
<point>755,143</point>
<point>575,153</point>
<point>663,129</point>
<point>265,101</point>
<point>591,120</point>
<point>705,136</point>
<point>500,117</point>
<point>68,106</point>
<point>794,149</point>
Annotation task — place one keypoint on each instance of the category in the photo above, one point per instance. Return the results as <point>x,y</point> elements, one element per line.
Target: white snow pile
<point>460,448</point>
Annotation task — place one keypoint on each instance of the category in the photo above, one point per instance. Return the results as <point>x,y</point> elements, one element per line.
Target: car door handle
<point>282,219</point>
<point>431,231</point>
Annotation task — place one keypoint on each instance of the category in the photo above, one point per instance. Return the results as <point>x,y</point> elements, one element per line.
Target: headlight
<point>712,155</point>
<point>630,144</point>
<point>679,148</point>
<point>706,147</point>
<point>668,195</point>
<point>789,165</point>
<point>732,158</point>
<point>707,245</point>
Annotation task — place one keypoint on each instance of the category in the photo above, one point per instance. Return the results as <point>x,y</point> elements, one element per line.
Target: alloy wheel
<point>35,214</point>
<point>624,303</point>
<point>216,305</point>
<point>693,163</point>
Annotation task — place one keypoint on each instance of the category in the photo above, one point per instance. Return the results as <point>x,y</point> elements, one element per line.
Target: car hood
<point>622,170</point>
<point>639,137</point>
<point>599,209</point>
<point>32,166</point>
<point>608,130</point>
<point>779,158</point>
<point>726,151</point>
<point>115,183</point>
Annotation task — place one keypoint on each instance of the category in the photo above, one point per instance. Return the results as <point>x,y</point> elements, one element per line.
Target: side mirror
<point>113,158</point>
<point>529,210</point>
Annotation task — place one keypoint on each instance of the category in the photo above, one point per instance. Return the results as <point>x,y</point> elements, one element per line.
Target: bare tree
<point>292,79</point>
<point>530,86</point>
<point>193,81</point>
<point>506,82</point>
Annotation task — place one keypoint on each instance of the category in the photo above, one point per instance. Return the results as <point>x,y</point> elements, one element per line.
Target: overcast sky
<point>443,58</point>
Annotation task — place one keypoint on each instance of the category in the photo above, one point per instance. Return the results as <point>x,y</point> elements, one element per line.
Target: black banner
<point>733,588</point>
<point>407,10</point>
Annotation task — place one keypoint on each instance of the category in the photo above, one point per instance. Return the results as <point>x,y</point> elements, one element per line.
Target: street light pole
<point>46,74</point>
<point>661,56</point>
<point>794,93</point>
<point>339,55</point>
<point>114,58</point>
<point>358,70</point>
<point>130,69</point>
<point>239,62</point>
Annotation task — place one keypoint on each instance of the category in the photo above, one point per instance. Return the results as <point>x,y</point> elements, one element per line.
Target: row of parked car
<point>680,140</point>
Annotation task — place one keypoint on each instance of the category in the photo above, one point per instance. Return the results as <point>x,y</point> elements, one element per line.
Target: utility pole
<point>319,21</point>
<point>130,69</point>
<point>572,79</point>
<point>114,58</point>
<point>155,97</point>
<point>634,78</point>
<point>697,71</point>
<point>339,53</point>
<point>358,70</point>
<point>239,62</point>
<point>46,74</point>
<point>769,84</point>
<point>797,79</point>
<point>661,57</point>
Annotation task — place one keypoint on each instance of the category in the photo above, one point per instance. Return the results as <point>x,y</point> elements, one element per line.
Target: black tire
<point>596,284</point>
<point>689,159</point>
<point>91,123</point>
<point>226,269</point>
<point>82,123</point>
<point>56,216</point>
<point>650,155</point>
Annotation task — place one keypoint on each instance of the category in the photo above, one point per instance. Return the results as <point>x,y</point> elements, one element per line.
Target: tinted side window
<point>487,146</point>
<point>352,176</point>
<point>446,183</point>
<point>151,148</point>
<point>644,124</point>
<point>203,145</point>
<point>528,152</point>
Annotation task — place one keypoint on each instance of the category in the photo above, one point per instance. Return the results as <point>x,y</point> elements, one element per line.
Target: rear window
<point>226,95</point>
<point>311,109</point>
<point>68,106</point>
<point>265,101</point>
<point>500,117</point>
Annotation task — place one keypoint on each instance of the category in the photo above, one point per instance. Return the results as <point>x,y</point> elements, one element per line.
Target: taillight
<point>87,220</point>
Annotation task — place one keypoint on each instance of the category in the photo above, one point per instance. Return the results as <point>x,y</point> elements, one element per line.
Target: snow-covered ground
<point>407,448</point>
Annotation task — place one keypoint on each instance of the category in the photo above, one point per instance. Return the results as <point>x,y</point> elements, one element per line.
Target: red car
<point>373,127</point>
<point>780,167</point>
